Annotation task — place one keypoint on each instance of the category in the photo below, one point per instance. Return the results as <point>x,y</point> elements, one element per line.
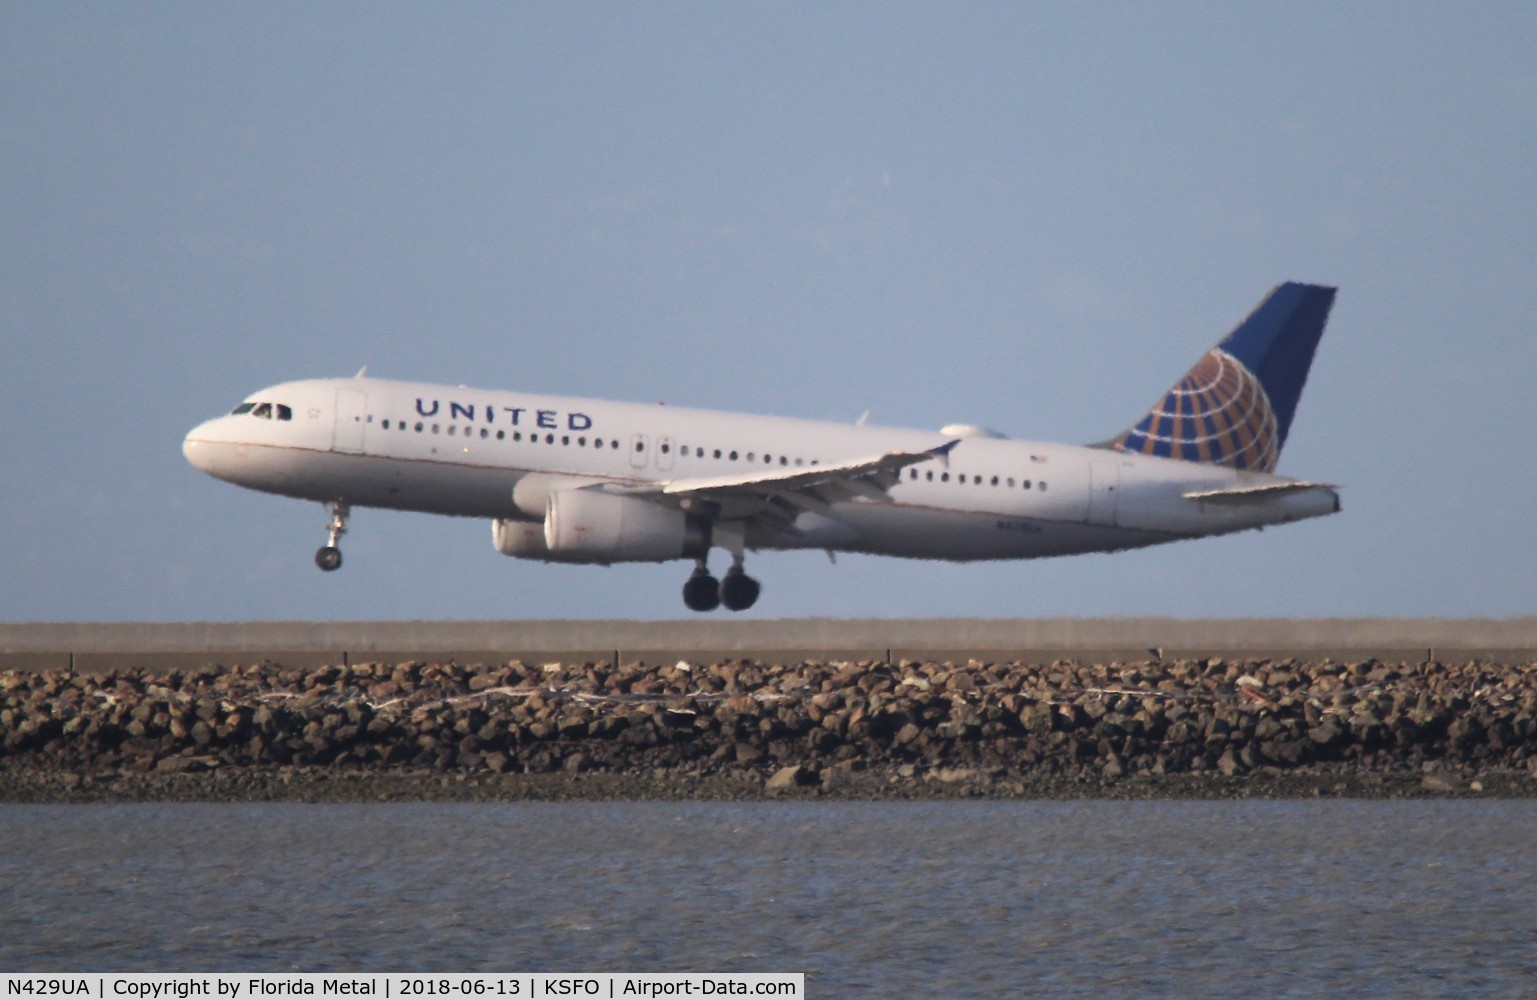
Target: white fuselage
<point>461,451</point>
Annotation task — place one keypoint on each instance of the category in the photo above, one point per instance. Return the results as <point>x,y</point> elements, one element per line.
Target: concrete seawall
<point>97,646</point>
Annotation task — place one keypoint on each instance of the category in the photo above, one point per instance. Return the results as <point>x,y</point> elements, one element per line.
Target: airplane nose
<point>195,447</point>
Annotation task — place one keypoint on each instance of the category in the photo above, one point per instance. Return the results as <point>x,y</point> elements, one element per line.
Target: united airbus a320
<point>565,479</point>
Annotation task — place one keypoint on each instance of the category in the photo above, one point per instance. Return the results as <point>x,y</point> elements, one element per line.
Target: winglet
<point>943,451</point>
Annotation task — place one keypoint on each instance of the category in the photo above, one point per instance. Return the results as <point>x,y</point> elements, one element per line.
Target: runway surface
<point>94,646</point>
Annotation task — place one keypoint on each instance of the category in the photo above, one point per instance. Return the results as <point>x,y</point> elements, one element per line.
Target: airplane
<point>576,480</point>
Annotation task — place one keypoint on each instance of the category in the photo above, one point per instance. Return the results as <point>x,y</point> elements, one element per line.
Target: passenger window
<point>752,456</point>
<point>733,456</point>
<point>640,446</point>
<point>1027,484</point>
<point>451,430</point>
<point>242,408</point>
<point>501,435</point>
<point>717,453</point>
<point>783,460</point>
<point>944,477</point>
<point>995,480</point>
<point>549,439</point>
<point>1043,486</point>
<point>565,439</point>
<point>385,425</point>
<point>484,433</point>
<point>1011,482</point>
<point>614,445</point>
<point>666,448</point>
<point>929,475</point>
<point>418,427</point>
<point>597,442</point>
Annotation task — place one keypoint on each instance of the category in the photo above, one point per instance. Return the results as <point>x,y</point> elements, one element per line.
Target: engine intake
<point>520,539</point>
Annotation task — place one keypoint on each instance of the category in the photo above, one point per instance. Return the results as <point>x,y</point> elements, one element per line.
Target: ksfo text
<point>551,986</point>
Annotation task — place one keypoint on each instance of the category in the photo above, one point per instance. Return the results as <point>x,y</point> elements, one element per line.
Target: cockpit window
<point>266,411</point>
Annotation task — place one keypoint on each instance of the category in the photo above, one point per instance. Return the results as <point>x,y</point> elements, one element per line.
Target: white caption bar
<point>402,986</point>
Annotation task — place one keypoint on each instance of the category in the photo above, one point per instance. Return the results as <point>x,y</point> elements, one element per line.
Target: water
<point>880,899</point>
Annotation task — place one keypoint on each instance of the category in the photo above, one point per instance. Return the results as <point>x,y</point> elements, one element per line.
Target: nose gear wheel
<point>329,557</point>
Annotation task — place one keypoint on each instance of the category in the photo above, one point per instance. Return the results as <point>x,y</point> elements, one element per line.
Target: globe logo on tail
<point>1218,413</point>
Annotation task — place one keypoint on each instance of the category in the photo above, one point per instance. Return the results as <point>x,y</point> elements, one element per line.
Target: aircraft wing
<point>774,498</point>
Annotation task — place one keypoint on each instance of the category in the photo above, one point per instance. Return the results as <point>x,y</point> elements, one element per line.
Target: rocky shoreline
<point>742,730</point>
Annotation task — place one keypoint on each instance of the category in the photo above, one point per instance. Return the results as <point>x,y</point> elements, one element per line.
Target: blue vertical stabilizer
<point>1235,406</point>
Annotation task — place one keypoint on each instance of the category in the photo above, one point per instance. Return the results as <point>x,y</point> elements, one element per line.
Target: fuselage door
<point>351,419</point>
<point>640,450</point>
<point>1104,491</point>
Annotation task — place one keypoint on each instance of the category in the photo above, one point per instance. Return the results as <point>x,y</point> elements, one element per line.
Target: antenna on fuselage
<point>362,372</point>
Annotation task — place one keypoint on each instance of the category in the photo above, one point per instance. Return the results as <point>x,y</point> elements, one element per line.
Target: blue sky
<point>1030,216</point>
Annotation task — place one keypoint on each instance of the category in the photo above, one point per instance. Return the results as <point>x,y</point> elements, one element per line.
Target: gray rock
<point>792,776</point>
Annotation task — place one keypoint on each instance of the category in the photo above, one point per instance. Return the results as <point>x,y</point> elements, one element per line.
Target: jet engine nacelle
<point>531,494</point>
<point>593,526</point>
<point>520,539</point>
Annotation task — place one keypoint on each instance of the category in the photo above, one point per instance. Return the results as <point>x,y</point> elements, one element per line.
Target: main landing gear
<point>328,557</point>
<point>737,591</point>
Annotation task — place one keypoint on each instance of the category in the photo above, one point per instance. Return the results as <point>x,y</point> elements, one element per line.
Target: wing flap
<point>773,498</point>
<point>879,470</point>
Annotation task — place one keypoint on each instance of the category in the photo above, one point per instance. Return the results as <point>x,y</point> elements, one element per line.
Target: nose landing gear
<point>328,557</point>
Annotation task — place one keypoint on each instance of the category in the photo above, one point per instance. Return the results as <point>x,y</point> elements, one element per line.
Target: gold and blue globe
<point>1217,413</point>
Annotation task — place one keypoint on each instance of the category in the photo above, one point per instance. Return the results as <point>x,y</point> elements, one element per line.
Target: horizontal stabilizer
<point>1257,494</point>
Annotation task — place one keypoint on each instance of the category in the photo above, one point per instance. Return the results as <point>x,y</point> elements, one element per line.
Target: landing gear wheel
<point>701,592</point>
<point>738,591</point>
<point>329,557</point>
